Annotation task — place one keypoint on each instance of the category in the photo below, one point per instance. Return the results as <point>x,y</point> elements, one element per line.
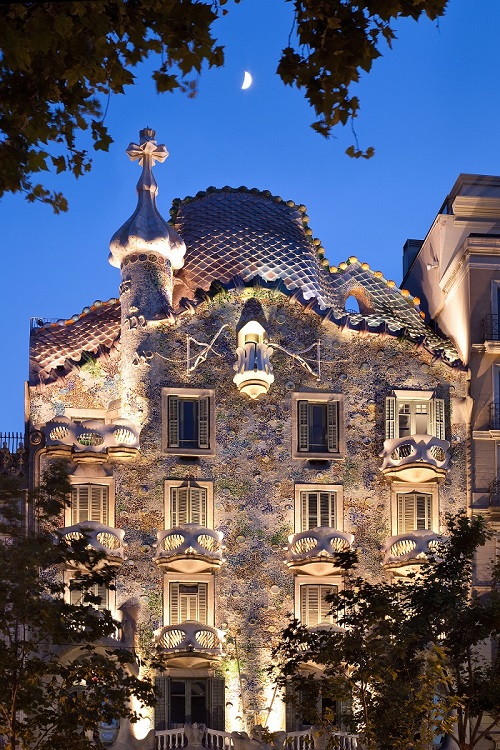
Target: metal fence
<point>11,441</point>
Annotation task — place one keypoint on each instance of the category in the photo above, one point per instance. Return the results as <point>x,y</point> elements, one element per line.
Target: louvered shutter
<point>75,596</point>
<point>217,702</point>
<point>202,603</point>
<point>173,421</point>
<point>102,591</point>
<point>327,509</point>
<point>309,509</point>
<point>309,605</point>
<point>179,506</point>
<point>174,603</point>
<point>99,503</point>
<point>390,418</point>
<point>436,418</point>
<point>423,511</point>
<point>406,513</point>
<point>198,505</point>
<point>325,606</point>
<point>292,719</point>
<point>204,422</point>
<point>80,503</point>
<point>332,411</point>
<point>303,425</point>
<point>162,713</point>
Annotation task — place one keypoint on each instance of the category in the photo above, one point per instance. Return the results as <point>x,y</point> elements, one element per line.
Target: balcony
<point>189,548</point>
<point>190,644</point>
<point>315,551</point>
<point>88,439</point>
<point>419,458</point>
<point>99,537</point>
<point>213,739</point>
<point>404,551</point>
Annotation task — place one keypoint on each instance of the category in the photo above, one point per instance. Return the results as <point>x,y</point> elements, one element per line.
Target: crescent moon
<point>247,81</point>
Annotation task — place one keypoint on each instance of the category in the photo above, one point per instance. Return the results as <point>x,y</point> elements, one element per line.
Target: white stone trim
<point>311,487</point>
<point>207,578</point>
<point>322,398</point>
<point>91,476</point>
<point>168,484</point>
<point>189,393</point>
<point>407,488</point>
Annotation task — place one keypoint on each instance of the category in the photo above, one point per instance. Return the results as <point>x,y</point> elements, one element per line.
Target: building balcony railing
<point>190,644</point>
<point>63,435</point>
<point>418,458</point>
<point>189,548</point>
<point>315,551</point>
<point>412,548</point>
<point>213,739</point>
<point>491,328</point>
<point>495,416</point>
<point>99,537</point>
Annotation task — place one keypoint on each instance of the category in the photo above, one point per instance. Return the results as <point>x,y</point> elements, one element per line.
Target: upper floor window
<point>316,425</point>
<point>188,501</point>
<point>317,508</point>
<point>89,502</point>
<point>188,418</point>
<point>76,596</point>
<point>414,413</point>
<point>188,601</point>
<point>314,609</point>
<point>414,511</point>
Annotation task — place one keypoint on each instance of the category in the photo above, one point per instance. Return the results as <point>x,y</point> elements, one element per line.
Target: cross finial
<point>147,153</point>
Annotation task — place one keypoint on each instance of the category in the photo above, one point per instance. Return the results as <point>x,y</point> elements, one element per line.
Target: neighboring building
<point>230,424</point>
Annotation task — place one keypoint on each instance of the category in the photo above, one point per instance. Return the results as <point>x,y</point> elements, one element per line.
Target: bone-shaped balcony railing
<point>99,537</point>
<point>416,456</point>
<point>90,436</point>
<point>316,549</point>
<point>190,637</point>
<point>411,547</point>
<point>190,546</point>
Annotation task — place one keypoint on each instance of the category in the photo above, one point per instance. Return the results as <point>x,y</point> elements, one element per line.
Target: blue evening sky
<point>430,107</point>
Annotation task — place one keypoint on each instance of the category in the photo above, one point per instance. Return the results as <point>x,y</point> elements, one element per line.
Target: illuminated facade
<point>231,423</point>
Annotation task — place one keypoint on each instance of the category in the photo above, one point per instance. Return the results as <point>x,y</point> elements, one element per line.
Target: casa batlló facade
<point>241,412</point>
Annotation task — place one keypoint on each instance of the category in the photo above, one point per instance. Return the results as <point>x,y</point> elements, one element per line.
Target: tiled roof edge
<point>77,316</point>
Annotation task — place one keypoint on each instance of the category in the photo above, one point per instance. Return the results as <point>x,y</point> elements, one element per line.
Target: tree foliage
<point>60,62</point>
<point>61,673</point>
<point>414,660</point>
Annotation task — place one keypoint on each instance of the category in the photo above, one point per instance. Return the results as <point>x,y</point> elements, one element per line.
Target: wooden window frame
<point>436,416</point>
<point>111,595</point>
<point>316,397</point>
<point>170,484</point>
<point>301,581</point>
<point>199,394</point>
<point>108,482</point>
<point>405,488</point>
<point>189,578</point>
<point>339,503</point>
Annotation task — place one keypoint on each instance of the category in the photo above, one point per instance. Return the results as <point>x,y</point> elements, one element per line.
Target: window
<point>414,413</point>
<point>186,701</point>
<point>188,418</point>
<point>313,605</point>
<point>89,502</point>
<point>188,601</point>
<point>317,508</point>
<point>188,502</point>
<point>76,596</point>
<point>414,511</point>
<point>316,425</point>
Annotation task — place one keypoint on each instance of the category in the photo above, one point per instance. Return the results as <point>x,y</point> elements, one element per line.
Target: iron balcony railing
<point>11,441</point>
<point>40,322</point>
<point>491,328</point>
<point>495,416</point>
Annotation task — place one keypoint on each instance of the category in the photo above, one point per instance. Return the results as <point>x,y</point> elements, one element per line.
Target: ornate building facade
<point>242,411</point>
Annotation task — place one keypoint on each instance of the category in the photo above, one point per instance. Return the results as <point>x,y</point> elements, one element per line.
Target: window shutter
<point>173,421</point>
<point>75,596</point>
<point>98,503</point>
<point>179,506</point>
<point>202,603</point>
<point>309,605</point>
<point>303,425</point>
<point>162,717</point>
<point>332,410</point>
<point>204,422</point>
<point>198,505</point>
<point>309,510</point>
<point>325,606</point>
<point>390,418</point>
<point>401,507</point>
<point>217,701</point>
<point>293,723</point>
<point>174,603</point>
<point>327,509</point>
<point>80,503</point>
<point>406,513</point>
<point>102,591</point>
<point>423,511</point>
<point>436,418</point>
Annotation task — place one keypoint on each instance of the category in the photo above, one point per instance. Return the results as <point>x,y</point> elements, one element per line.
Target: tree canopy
<point>60,62</point>
<point>64,675</point>
<point>413,659</point>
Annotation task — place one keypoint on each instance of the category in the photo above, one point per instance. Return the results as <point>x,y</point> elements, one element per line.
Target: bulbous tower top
<point>147,231</point>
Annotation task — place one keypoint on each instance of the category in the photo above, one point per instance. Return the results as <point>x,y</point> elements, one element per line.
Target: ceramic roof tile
<point>52,345</point>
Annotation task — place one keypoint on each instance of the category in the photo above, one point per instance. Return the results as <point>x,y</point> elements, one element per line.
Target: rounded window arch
<point>358,301</point>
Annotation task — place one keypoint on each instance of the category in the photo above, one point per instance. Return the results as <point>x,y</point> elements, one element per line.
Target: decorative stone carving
<point>254,372</point>
<point>190,548</point>
<point>410,548</point>
<point>314,551</point>
<point>99,537</point>
<point>418,458</point>
<point>194,734</point>
<point>190,644</point>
